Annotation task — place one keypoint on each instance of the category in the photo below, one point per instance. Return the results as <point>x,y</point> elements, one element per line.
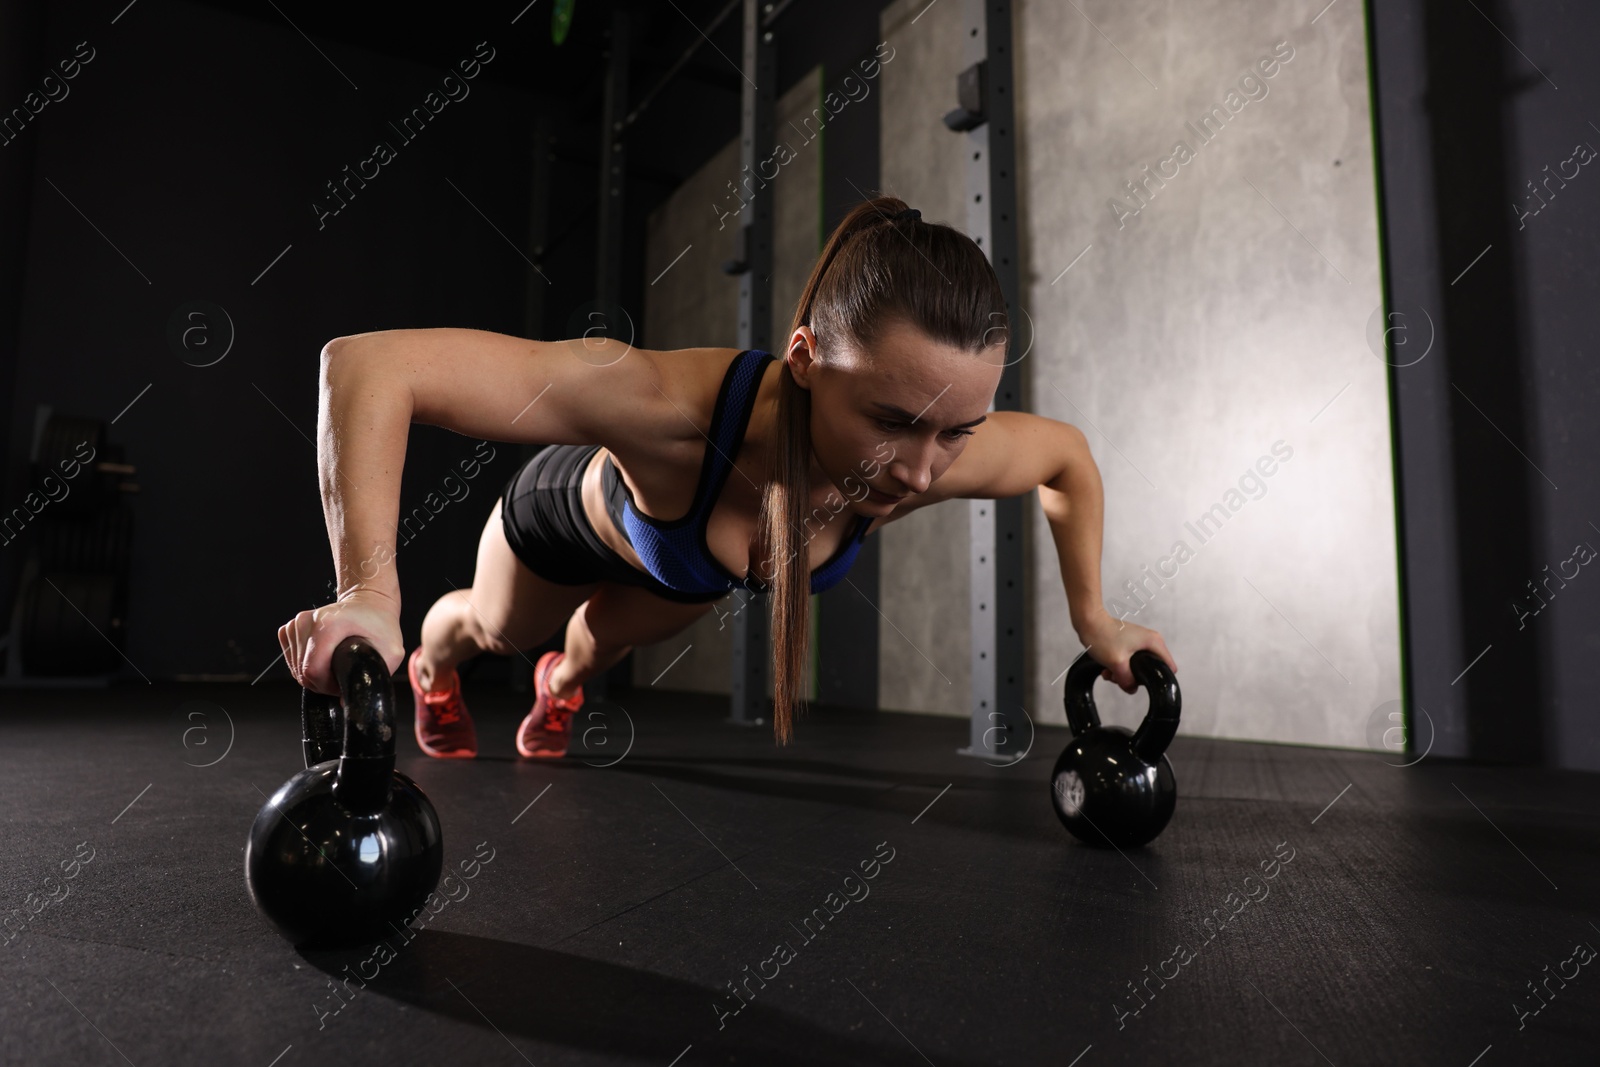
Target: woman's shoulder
<point>691,378</point>
<point>694,361</point>
<point>685,382</point>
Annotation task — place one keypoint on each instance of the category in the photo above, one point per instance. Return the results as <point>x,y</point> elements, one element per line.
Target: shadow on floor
<point>603,1008</point>
<point>997,793</point>
<point>991,803</point>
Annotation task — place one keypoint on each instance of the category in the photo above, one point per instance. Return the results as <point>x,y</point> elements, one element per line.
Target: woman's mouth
<point>882,498</point>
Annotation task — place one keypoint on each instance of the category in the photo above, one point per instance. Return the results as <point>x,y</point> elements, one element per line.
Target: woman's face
<point>888,421</point>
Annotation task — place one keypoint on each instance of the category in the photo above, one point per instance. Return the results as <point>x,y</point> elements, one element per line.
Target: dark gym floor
<point>621,901</point>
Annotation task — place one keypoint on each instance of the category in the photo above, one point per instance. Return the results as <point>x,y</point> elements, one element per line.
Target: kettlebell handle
<point>366,750</point>
<point>322,727</point>
<point>1149,670</point>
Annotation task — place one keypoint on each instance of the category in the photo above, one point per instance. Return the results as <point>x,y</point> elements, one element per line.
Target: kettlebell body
<point>348,850</point>
<point>325,876</point>
<point>1105,794</point>
<point>1112,786</point>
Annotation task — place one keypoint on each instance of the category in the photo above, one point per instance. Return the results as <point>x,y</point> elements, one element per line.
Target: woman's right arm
<point>481,384</point>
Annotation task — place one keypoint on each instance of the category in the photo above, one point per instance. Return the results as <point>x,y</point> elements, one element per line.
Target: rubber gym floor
<point>624,904</point>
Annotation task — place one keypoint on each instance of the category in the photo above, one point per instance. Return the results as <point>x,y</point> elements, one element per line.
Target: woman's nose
<point>914,476</point>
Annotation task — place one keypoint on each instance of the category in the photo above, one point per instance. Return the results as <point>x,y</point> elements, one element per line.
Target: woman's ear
<point>801,357</point>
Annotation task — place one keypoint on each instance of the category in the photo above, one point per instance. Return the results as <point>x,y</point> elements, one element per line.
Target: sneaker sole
<point>442,754</point>
<point>436,754</point>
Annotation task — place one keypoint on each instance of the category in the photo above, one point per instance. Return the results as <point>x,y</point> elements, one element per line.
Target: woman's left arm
<point>1015,452</point>
<point>1073,502</point>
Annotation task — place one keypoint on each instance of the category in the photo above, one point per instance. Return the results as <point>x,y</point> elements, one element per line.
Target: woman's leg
<point>508,609</point>
<point>608,624</point>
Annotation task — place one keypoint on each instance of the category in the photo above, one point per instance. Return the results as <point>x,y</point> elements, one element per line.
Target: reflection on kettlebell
<point>349,849</point>
<point>1110,786</point>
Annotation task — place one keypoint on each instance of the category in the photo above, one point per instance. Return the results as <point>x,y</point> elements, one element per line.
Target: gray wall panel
<point>1225,315</point>
<point>1190,337</point>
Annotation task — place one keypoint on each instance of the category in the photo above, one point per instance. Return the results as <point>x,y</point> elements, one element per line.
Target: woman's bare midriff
<point>594,506</point>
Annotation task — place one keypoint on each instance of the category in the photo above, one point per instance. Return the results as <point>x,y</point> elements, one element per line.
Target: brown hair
<point>874,269</point>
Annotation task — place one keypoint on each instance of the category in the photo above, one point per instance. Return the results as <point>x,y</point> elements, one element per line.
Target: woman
<point>671,477</point>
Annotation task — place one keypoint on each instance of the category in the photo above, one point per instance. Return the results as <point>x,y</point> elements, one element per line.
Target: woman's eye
<point>897,427</point>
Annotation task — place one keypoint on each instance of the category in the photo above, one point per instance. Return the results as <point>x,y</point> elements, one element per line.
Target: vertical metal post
<point>998,729</point>
<point>613,169</point>
<point>538,226</point>
<point>534,304</point>
<point>612,223</point>
<point>750,699</point>
<point>750,689</point>
<point>848,624</point>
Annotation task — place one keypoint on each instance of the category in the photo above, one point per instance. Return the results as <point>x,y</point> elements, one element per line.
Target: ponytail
<point>875,268</point>
<point>783,509</point>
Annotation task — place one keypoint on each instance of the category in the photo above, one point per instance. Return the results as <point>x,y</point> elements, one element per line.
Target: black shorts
<point>548,530</point>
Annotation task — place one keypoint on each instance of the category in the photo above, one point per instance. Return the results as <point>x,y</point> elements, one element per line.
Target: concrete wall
<point>1223,314</point>
<point>694,304</point>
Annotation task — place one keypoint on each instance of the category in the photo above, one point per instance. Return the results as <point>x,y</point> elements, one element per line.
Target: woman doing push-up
<point>674,476</point>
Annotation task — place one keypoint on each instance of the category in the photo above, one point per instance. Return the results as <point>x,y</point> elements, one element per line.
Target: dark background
<point>190,149</point>
<point>1496,435</point>
<point>196,141</point>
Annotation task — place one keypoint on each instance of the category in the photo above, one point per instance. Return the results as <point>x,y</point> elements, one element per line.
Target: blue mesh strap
<point>675,552</point>
<point>832,573</point>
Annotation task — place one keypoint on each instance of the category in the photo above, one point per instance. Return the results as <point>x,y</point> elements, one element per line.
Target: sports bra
<point>675,552</point>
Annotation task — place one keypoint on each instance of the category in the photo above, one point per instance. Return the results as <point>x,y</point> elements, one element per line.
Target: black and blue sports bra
<point>676,552</point>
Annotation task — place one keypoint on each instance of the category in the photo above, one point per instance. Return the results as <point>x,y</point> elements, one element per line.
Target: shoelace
<point>445,702</point>
<point>558,711</point>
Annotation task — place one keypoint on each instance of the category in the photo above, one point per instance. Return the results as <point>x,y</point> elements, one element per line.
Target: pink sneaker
<point>444,729</point>
<point>545,731</point>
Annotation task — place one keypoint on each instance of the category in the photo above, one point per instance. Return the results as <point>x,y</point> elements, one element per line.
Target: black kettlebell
<point>348,850</point>
<point>1110,786</point>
